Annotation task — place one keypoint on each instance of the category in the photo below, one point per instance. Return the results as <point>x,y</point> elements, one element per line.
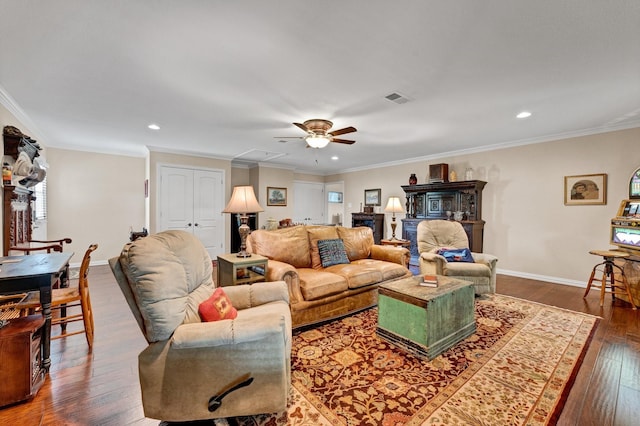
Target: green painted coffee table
<point>426,321</point>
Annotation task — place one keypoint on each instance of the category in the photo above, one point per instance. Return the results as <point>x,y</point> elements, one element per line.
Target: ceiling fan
<point>318,134</point>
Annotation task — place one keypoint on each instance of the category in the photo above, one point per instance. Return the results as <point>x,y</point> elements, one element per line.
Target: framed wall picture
<point>372,197</point>
<point>582,190</point>
<point>276,196</point>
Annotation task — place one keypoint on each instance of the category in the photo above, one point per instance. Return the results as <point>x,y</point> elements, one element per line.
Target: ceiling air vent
<point>397,98</point>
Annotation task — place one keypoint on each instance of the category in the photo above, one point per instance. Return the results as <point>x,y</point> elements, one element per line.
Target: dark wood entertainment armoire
<point>16,224</point>
<point>432,201</point>
<point>16,203</point>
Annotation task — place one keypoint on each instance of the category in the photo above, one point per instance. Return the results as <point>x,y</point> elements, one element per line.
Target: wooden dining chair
<point>64,299</point>
<point>8,306</point>
<point>30,246</point>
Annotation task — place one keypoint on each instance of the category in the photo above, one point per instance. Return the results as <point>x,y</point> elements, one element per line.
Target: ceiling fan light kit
<point>317,141</point>
<point>318,134</point>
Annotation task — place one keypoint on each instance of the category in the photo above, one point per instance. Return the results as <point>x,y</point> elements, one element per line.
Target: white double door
<point>192,200</point>
<point>309,204</point>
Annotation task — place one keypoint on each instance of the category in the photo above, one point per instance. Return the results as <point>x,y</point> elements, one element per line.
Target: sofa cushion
<point>315,234</point>
<point>316,284</point>
<point>357,241</point>
<point>170,274</point>
<point>462,269</point>
<point>217,307</point>
<point>288,245</point>
<point>332,252</point>
<point>357,275</point>
<point>389,270</point>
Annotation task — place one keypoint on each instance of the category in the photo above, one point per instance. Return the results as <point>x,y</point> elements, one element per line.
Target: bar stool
<point>607,271</point>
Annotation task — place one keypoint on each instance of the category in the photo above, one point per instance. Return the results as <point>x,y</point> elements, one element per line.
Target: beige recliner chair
<point>195,370</point>
<point>436,234</point>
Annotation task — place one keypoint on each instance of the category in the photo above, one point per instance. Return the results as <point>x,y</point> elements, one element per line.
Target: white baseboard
<point>546,278</point>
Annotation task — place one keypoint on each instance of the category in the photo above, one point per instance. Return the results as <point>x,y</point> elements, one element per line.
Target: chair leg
<point>87,318</point>
<point>625,285</point>
<point>593,274</point>
<point>628,291</point>
<point>603,288</point>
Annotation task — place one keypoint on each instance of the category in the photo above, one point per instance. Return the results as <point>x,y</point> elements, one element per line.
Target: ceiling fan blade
<point>342,131</point>
<point>345,141</point>
<point>302,126</point>
<point>289,137</point>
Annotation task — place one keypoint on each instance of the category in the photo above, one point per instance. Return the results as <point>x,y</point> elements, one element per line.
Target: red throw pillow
<point>217,307</point>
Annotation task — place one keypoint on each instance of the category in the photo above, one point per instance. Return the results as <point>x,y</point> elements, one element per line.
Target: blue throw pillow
<point>332,252</point>
<point>456,255</point>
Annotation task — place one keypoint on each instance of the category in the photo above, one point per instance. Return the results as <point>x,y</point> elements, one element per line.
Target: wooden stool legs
<point>608,280</point>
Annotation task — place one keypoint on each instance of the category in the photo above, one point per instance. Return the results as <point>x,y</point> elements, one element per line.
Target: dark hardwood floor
<point>102,388</point>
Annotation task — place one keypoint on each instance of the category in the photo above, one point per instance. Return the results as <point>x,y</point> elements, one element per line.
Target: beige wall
<point>527,224</point>
<point>94,198</point>
<point>278,178</point>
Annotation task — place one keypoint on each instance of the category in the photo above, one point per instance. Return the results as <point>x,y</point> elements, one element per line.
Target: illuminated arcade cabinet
<point>625,233</point>
<point>625,227</point>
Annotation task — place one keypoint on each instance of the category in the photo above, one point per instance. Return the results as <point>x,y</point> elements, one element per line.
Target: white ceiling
<point>227,78</point>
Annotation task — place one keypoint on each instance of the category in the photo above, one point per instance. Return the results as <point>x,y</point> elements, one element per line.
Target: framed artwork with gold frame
<point>276,196</point>
<point>580,190</point>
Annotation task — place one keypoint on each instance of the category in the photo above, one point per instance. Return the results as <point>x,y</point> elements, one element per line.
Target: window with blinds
<point>40,205</point>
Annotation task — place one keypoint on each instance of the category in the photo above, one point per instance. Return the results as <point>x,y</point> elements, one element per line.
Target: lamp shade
<point>394,205</point>
<point>243,200</point>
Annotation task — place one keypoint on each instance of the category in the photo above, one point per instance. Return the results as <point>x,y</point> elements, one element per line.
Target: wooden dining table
<point>20,274</point>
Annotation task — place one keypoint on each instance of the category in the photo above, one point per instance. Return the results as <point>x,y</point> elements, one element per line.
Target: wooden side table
<point>21,373</point>
<point>234,270</point>
<point>396,243</point>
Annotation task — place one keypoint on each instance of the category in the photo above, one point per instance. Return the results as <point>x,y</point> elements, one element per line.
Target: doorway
<point>192,200</point>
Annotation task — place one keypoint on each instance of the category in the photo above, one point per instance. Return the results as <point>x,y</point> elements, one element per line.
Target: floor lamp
<point>243,201</point>
<point>394,206</point>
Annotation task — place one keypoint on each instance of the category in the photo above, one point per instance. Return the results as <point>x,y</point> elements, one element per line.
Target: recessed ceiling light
<point>153,126</point>
<point>524,114</point>
<point>334,158</point>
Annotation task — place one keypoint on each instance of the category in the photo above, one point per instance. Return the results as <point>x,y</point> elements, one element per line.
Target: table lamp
<point>243,201</point>
<point>394,206</point>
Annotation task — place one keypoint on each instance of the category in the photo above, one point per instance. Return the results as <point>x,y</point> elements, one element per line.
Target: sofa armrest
<point>488,259</point>
<point>247,296</point>
<point>393,254</point>
<point>431,263</point>
<point>270,324</point>
<point>277,270</point>
<point>281,271</point>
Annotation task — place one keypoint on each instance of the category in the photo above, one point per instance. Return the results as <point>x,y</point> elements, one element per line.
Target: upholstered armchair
<point>195,370</point>
<point>433,235</point>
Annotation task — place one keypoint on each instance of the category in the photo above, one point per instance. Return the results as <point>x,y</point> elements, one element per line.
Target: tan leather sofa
<point>317,293</point>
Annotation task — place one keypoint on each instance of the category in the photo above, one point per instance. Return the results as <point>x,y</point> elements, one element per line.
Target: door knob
<point>188,224</point>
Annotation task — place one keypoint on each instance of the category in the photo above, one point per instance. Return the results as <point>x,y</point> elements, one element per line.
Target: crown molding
<point>12,106</point>
<point>503,145</point>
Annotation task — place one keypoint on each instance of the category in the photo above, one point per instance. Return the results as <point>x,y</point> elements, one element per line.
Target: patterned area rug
<point>515,370</point>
